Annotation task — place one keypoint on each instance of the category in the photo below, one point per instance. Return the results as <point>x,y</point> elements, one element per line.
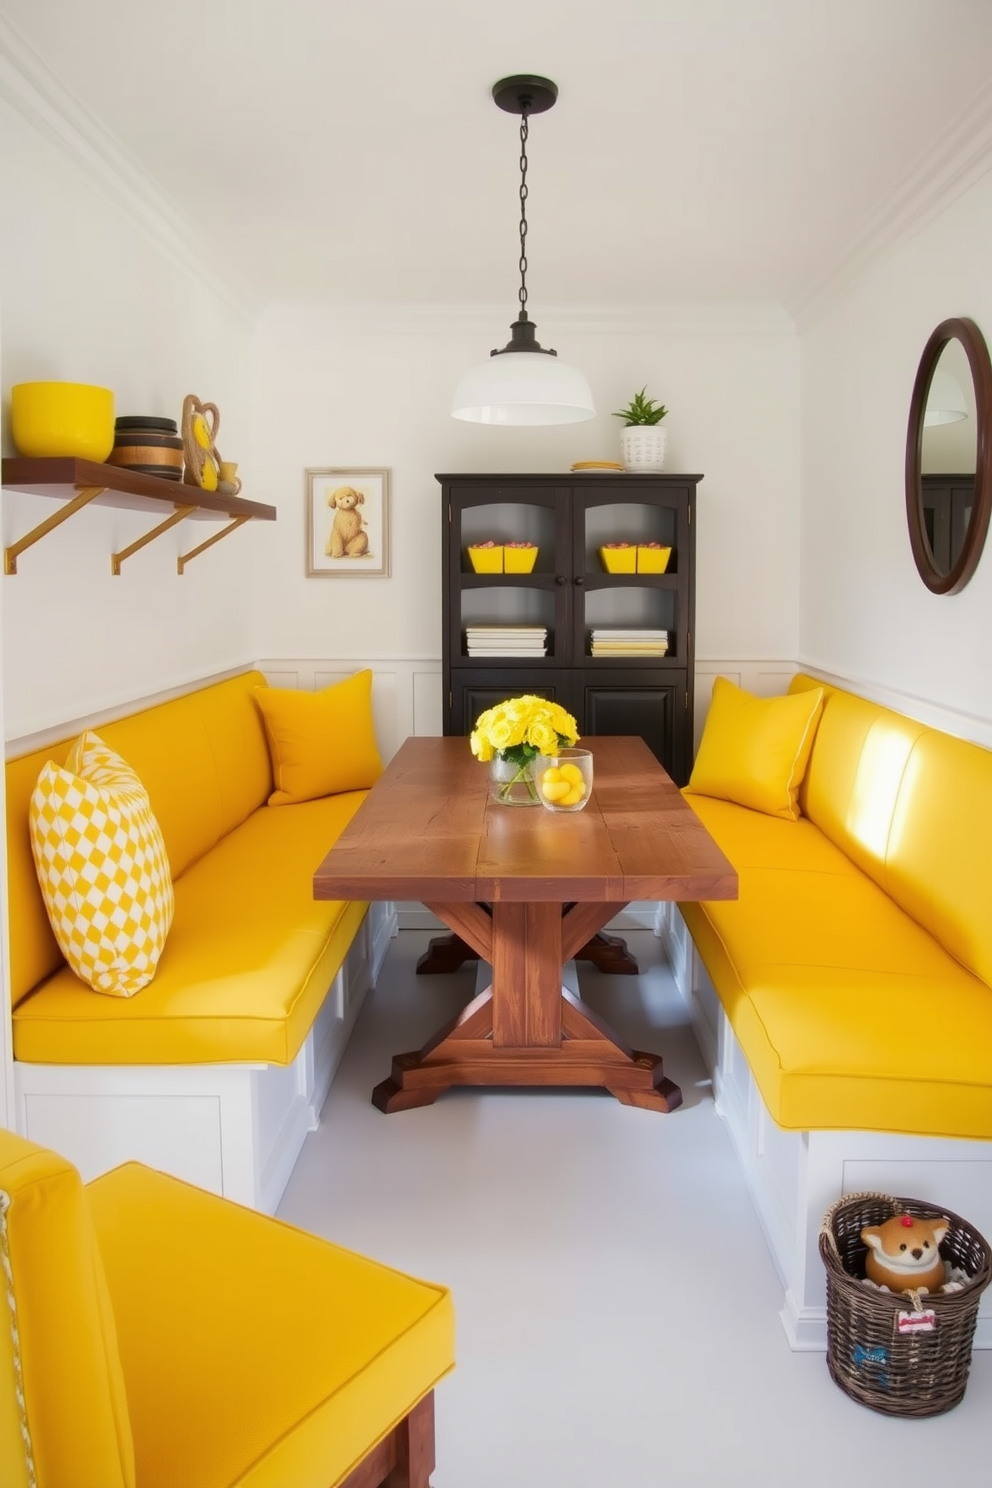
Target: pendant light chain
<point>523,383</point>
<point>522,292</point>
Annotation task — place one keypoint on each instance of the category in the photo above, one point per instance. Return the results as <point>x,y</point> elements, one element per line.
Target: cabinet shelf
<point>594,578</point>
<point>80,483</point>
<point>591,579</point>
<point>628,659</point>
<point>507,663</point>
<point>508,581</point>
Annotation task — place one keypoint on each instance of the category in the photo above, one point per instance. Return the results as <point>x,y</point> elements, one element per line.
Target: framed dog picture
<point>348,522</point>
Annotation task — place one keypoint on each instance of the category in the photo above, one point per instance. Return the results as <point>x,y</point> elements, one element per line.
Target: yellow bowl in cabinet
<point>52,419</point>
<point>653,560</point>
<point>519,560</point>
<point>486,560</point>
<point>619,560</point>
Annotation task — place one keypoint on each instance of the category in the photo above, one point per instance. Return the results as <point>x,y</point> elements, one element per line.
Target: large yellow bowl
<point>48,419</point>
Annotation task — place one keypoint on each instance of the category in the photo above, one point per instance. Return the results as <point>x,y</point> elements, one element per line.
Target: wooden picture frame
<point>347,522</point>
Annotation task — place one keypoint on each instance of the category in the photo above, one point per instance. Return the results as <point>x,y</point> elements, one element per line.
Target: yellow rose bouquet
<point>518,731</point>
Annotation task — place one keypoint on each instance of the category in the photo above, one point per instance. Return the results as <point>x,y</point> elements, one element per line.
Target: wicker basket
<point>881,1359</point>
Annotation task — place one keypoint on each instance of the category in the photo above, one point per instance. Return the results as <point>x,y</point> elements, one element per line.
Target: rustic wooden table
<point>525,888</point>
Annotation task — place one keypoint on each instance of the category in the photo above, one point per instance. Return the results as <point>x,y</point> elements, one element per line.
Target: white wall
<point>333,389</point>
<point>90,295</point>
<point>865,614</point>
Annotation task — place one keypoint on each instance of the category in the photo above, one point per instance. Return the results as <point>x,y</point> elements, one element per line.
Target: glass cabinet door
<point>628,600</point>
<point>509,559</point>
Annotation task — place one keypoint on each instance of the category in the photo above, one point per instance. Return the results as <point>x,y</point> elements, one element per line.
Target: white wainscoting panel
<point>407,695</point>
<point>934,715</point>
<point>406,691</point>
<point>763,678</point>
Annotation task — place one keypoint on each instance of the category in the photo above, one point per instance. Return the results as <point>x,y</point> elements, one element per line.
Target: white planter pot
<point>642,447</point>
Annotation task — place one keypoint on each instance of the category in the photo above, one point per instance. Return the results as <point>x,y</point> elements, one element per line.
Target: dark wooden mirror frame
<point>971,338</point>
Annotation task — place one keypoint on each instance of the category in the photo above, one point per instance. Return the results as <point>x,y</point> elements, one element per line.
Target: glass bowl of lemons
<point>564,780</point>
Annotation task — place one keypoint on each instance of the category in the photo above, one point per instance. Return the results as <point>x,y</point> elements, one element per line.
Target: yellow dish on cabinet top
<point>52,419</point>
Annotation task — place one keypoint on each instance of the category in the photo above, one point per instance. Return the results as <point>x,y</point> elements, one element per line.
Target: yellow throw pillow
<point>102,866</point>
<point>754,751</point>
<point>321,743</point>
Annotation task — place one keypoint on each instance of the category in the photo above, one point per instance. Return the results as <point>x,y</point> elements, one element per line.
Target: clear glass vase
<point>512,783</point>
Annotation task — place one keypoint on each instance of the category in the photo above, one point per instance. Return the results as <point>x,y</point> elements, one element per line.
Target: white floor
<point>616,1305</point>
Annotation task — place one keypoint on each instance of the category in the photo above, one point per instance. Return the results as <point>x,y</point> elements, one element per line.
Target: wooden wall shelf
<point>79,483</point>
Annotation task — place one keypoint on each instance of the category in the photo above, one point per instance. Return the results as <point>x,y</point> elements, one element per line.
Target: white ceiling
<point>700,151</point>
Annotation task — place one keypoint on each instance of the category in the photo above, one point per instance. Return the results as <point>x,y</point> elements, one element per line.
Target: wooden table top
<point>427,831</point>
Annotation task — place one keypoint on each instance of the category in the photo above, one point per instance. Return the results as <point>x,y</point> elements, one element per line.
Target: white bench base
<point>794,1177</point>
<point>235,1129</point>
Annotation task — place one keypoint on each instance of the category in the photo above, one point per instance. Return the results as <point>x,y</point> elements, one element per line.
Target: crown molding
<point>958,158</point>
<point>492,321</point>
<point>31,92</point>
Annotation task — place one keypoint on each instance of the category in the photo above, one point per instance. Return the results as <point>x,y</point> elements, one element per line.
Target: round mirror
<point>949,456</point>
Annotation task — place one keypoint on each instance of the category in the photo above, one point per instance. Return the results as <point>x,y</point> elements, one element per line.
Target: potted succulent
<point>642,442</point>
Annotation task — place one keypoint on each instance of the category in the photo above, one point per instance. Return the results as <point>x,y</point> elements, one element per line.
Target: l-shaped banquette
<point>844,1000</point>
<point>218,1068</point>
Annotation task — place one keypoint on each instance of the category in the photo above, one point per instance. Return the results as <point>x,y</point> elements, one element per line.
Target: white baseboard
<point>794,1177</point>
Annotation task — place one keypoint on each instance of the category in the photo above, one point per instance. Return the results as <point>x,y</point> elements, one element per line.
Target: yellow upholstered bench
<point>156,1336</point>
<point>845,998</point>
<point>217,1069</point>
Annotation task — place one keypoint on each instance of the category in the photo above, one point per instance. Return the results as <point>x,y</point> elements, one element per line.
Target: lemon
<point>552,774</point>
<point>572,774</point>
<point>555,790</point>
<point>573,797</point>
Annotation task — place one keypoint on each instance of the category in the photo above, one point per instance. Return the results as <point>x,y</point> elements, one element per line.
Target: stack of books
<point>506,640</point>
<point>629,643</point>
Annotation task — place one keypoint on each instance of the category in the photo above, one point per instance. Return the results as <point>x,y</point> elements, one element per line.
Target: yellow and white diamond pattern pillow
<point>103,868</point>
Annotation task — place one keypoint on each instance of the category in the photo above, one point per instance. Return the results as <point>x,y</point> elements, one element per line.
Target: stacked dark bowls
<point>148,446</point>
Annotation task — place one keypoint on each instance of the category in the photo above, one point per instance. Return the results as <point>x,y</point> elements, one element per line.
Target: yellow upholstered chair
<point>155,1336</point>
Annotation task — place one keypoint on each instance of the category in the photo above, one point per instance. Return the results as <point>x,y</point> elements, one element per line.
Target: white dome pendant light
<point>523,383</point>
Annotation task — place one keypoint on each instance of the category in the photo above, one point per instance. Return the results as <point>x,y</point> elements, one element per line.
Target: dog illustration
<point>347,537</point>
<point>904,1253</point>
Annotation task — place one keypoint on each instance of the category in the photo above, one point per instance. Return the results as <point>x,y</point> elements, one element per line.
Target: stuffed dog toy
<point>347,539</point>
<point>904,1253</point>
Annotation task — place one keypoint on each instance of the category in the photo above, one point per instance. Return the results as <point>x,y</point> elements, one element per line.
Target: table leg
<point>607,953</point>
<point>526,1029</point>
<point>445,953</point>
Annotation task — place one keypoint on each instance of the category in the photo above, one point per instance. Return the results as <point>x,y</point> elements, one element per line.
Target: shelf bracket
<point>116,559</point>
<point>182,561</point>
<point>11,554</point>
